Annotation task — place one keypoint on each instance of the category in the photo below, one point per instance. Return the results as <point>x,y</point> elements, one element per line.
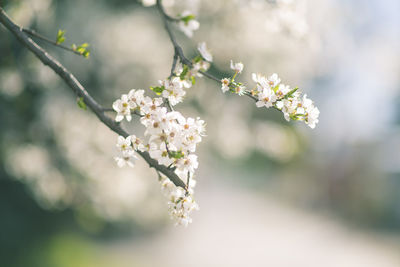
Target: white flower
<point>189,163</point>
<point>128,160</point>
<point>237,67</point>
<point>274,80</point>
<point>225,84</point>
<point>160,153</point>
<point>258,78</point>
<point>122,107</point>
<point>312,115</point>
<point>201,65</point>
<point>187,27</point>
<point>282,90</point>
<point>240,89</point>
<point>135,97</point>
<point>205,53</point>
<point>266,98</point>
<point>137,144</point>
<point>124,146</point>
<point>310,111</point>
<point>173,90</point>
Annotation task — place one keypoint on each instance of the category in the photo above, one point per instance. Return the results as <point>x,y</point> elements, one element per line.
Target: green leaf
<point>176,154</point>
<point>82,48</point>
<point>73,46</point>
<point>86,54</point>
<point>291,92</point>
<point>184,72</point>
<point>197,59</point>
<point>188,18</point>
<point>60,37</point>
<point>193,80</point>
<point>81,103</point>
<point>157,89</point>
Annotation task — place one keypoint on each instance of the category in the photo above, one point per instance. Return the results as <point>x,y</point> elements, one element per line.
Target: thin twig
<point>177,48</point>
<point>43,38</point>
<point>80,91</point>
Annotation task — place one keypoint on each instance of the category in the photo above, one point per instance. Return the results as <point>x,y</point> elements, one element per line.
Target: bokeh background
<point>271,193</point>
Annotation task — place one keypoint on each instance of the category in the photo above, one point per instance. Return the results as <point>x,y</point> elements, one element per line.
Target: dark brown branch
<point>80,91</point>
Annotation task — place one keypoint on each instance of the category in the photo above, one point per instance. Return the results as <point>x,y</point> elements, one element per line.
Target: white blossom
<point>205,53</point>
<point>237,67</point>
<point>187,27</point>
<point>126,157</point>
<point>173,91</point>
<point>181,203</point>
<point>137,144</point>
<point>225,84</point>
<point>274,80</point>
<point>266,98</point>
<point>122,161</point>
<point>240,89</point>
<point>282,90</point>
<point>122,107</point>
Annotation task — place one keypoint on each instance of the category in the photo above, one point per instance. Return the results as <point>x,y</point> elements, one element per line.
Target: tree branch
<point>167,27</point>
<point>80,91</point>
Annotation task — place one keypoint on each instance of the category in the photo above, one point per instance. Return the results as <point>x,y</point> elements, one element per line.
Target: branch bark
<point>80,91</point>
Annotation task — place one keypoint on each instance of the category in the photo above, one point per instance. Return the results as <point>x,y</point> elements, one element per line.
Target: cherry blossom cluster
<point>170,138</point>
<point>180,202</point>
<point>184,77</point>
<point>270,92</point>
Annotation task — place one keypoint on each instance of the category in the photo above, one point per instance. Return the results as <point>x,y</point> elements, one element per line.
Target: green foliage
<point>82,49</point>
<point>197,59</point>
<point>176,154</point>
<point>291,92</point>
<point>184,72</point>
<point>157,89</point>
<point>188,18</point>
<point>81,103</point>
<point>60,36</point>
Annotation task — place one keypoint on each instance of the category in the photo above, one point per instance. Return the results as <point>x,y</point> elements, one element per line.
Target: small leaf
<point>193,80</point>
<point>188,18</point>
<point>176,154</point>
<point>60,37</point>
<point>184,72</point>
<point>73,46</point>
<point>86,54</point>
<point>81,103</point>
<point>157,89</point>
<point>291,92</point>
<point>82,48</point>
<point>197,59</point>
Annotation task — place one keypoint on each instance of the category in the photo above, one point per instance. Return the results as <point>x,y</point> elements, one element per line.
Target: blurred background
<point>271,193</point>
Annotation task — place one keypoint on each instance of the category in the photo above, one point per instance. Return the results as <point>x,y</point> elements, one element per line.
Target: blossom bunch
<point>170,138</point>
<point>270,92</point>
<point>180,203</point>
